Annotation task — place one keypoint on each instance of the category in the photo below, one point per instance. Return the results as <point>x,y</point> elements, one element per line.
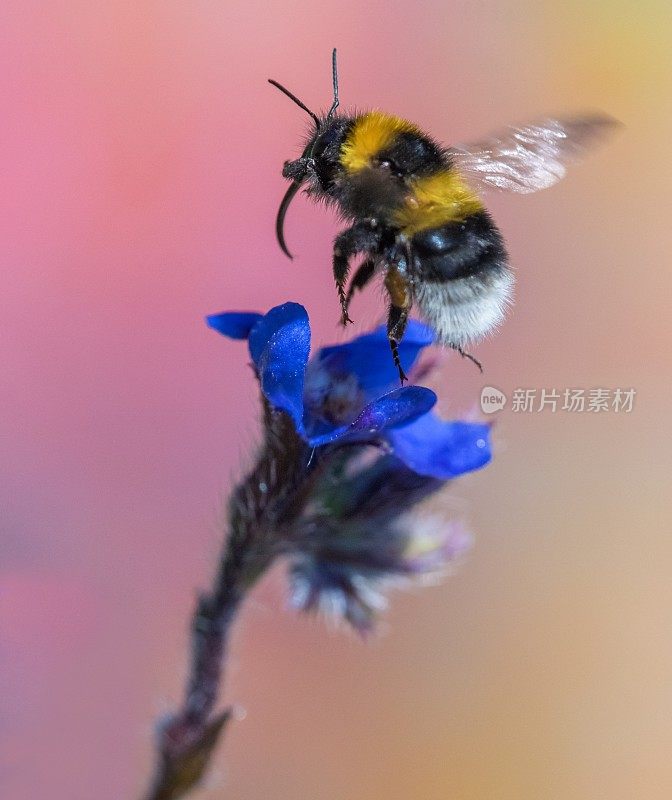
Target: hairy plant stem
<point>262,512</point>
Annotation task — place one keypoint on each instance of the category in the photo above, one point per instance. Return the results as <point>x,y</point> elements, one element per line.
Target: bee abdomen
<point>463,282</point>
<point>459,249</point>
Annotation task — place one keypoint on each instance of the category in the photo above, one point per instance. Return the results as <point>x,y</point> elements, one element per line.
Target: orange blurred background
<point>141,151</point>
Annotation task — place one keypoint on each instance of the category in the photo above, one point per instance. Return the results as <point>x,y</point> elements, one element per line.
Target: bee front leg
<point>365,272</point>
<point>363,237</point>
<point>401,297</point>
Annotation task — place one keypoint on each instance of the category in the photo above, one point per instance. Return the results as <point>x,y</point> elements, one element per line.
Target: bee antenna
<point>334,77</point>
<point>296,100</point>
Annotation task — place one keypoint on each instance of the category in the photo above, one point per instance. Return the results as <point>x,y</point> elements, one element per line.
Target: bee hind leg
<point>363,237</point>
<point>464,354</point>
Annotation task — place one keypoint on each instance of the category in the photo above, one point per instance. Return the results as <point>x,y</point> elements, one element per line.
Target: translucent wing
<point>531,157</point>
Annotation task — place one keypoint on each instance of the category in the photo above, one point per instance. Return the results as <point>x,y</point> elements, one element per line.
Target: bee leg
<point>396,325</point>
<point>363,275</point>
<point>363,237</point>
<point>467,355</point>
<point>341,275</point>
<point>401,298</point>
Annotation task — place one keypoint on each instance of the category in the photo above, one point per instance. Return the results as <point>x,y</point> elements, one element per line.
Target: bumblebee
<point>415,215</point>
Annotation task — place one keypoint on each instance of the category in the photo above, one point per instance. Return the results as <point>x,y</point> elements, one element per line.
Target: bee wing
<point>531,157</point>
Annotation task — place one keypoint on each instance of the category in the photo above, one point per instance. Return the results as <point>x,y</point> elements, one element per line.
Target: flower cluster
<point>374,451</point>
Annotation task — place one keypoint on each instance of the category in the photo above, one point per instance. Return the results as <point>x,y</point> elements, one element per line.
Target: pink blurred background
<point>141,149</point>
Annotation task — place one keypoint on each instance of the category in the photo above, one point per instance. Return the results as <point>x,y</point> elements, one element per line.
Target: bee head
<point>308,165</point>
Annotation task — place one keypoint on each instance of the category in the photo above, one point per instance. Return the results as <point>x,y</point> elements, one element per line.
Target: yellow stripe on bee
<point>370,134</point>
<point>436,200</point>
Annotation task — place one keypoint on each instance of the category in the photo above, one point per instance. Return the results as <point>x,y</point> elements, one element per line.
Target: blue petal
<point>393,410</point>
<point>234,324</point>
<point>291,314</point>
<point>432,446</point>
<point>368,357</point>
<point>280,345</point>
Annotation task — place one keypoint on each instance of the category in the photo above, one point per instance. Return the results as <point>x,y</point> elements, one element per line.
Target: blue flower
<point>346,393</point>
